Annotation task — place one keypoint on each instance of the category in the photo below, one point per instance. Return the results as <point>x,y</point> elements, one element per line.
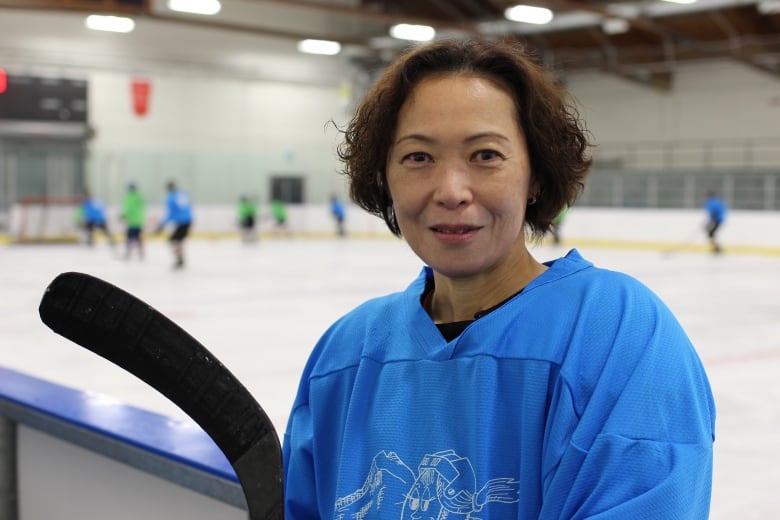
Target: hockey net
<point>46,219</point>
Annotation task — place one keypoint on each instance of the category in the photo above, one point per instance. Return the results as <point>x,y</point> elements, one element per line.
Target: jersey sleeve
<point>621,477</point>
<point>638,443</point>
<point>299,492</point>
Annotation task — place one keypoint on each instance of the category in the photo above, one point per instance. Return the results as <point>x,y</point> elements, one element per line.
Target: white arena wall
<point>609,226</point>
<point>749,231</point>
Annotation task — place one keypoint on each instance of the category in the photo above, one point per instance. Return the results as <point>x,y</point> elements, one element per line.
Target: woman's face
<point>459,176</point>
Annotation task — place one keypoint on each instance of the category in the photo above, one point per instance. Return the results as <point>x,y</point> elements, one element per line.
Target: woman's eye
<point>486,155</point>
<point>416,157</point>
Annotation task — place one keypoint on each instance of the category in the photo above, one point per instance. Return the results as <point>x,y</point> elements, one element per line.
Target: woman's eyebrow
<point>415,137</point>
<point>483,135</point>
<point>476,137</point>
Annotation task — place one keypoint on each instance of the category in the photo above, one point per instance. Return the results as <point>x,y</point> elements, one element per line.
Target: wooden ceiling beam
<point>374,15</point>
<point>87,6</point>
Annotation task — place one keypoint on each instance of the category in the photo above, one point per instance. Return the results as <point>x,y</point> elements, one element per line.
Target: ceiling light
<point>325,47</point>
<point>681,1</point>
<point>769,7</point>
<point>417,33</point>
<point>529,14</point>
<point>119,24</point>
<point>208,7</point>
<point>615,25</point>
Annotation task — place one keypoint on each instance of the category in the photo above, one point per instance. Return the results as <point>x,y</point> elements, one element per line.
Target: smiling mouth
<point>454,230</point>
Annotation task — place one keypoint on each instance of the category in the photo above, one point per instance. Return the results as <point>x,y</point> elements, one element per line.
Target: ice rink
<point>260,308</point>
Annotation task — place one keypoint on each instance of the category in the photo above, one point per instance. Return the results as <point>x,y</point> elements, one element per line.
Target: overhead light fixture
<point>207,7</point>
<point>99,22</point>
<point>615,25</point>
<point>326,47</point>
<point>769,7</point>
<point>417,33</point>
<point>529,14</point>
<point>681,1</point>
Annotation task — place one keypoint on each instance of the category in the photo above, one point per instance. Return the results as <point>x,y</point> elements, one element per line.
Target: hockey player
<point>179,212</point>
<point>716,214</point>
<point>494,386</point>
<point>93,214</point>
<point>247,219</point>
<point>134,216</point>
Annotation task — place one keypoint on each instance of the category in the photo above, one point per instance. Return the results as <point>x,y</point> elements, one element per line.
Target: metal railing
<point>670,174</point>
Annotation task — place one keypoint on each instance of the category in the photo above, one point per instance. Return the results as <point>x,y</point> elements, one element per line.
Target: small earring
<point>532,201</point>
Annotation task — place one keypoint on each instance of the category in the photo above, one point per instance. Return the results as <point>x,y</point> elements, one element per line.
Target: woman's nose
<point>453,185</point>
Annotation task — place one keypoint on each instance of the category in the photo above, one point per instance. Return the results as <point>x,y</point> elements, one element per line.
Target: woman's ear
<point>534,190</point>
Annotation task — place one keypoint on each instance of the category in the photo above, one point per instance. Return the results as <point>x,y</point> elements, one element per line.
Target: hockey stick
<point>686,243</point>
<point>128,332</point>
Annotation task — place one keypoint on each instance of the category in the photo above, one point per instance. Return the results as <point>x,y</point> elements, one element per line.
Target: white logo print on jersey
<point>445,486</point>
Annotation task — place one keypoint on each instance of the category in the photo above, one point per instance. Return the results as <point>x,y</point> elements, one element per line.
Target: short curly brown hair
<point>555,136</point>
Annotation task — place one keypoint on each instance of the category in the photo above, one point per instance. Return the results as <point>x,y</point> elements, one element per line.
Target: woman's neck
<point>461,299</point>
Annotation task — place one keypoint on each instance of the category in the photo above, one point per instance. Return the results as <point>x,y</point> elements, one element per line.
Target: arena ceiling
<point>652,39</point>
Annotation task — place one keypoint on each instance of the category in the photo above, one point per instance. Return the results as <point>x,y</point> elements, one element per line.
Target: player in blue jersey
<point>179,212</point>
<point>494,386</point>
<point>338,212</point>
<point>93,215</point>
<point>716,215</point>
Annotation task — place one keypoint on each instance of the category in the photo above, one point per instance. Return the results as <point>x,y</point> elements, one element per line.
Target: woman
<point>494,386</point>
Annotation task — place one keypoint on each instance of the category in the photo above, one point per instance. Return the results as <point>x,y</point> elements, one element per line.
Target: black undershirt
<point>452,330</point>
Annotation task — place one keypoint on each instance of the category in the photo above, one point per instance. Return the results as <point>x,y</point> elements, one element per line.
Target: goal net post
<point>44,219</point>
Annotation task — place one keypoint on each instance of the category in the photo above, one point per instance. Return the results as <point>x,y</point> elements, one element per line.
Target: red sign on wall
<point>3,81</point>
<point>141,93</point>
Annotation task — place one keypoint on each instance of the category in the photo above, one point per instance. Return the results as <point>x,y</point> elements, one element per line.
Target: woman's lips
<point>454,229</point>
<point>455,234</point>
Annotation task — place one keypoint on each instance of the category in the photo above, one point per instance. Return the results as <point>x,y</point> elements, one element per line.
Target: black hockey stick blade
<point>130,333</point>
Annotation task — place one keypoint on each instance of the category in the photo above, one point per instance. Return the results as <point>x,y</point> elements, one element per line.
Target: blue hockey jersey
<point>93,212</point>
<point>179,208</point>
<point>581,397</point>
